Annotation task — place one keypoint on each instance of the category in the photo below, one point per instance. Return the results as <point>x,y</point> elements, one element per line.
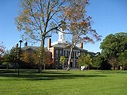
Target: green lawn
<point>61,82</point>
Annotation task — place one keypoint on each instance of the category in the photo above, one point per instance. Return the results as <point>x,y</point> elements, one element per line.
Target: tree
<point>39,18</point>
<point>7,59</point>
<point>122,59</point>
<point>84,60</point>
<point>113,62</point>
<point>31,58</point>
<point>112,46</point>
<point>47,58</point>
<point>96,61</point>
<point>88,60</point>
<point>62,60</point>
<point>2,49</point>
<point>13,55</point>
<point>27,58</point>
<point>78,24</point>
<point>81,60</point>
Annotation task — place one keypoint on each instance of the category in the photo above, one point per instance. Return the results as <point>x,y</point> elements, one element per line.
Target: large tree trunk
<point>69,59</point>
<point>41,55</point>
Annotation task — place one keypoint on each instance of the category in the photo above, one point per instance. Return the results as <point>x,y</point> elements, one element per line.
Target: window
<point>56,54</point>
<point>60,52</point>
<point>65,53</point>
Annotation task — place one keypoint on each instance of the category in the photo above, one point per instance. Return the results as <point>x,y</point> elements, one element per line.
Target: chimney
<point>49,43</point>
<point>81,45</point>
<point>25,44</point>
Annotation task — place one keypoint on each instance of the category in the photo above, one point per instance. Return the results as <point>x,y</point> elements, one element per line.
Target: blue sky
<point>109,16</point>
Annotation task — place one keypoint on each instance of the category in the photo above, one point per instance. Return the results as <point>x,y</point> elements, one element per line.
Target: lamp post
<point>19,55</point>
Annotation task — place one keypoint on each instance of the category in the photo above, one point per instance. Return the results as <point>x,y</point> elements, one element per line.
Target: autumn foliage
<point>78,23</point>
<point>33,58</point>
<point>38,19</point>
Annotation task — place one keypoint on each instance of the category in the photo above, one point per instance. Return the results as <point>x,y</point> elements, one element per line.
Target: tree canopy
<point>96,61</point>
<point>38,19</point>
<point>122,59</point>
<point>113,45</point>
<point>84,60</point>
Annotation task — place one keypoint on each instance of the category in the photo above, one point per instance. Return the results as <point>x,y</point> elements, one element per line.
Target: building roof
<point>32,48</point>
<point>66,46</point>
<point>60,45</point>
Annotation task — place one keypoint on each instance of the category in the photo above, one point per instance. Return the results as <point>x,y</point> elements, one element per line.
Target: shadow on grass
<point>46,75</point>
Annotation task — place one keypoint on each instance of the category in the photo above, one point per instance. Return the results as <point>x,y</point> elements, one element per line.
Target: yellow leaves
<point>19,18</point>
<point>23,18</point>
<point>26,11</point>
<point>88,59</point>
<point>26,56</point>
<point>62,59</point>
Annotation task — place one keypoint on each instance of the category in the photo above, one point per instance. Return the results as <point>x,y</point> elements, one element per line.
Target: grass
<point>62,82</point>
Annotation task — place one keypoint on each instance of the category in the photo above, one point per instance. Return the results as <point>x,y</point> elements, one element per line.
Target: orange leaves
<point>69,14</point>
<point>28,20</point>
<point>82,23</point>
<point>77,22</point>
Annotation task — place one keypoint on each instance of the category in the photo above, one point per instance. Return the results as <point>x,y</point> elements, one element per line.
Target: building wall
<point>57,52</point>
<point>61,51</point>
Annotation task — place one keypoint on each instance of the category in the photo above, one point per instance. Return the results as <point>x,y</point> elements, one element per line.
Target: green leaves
<point>114,47</point>
<point>84,60</point>
<point>97,60</point>
<point>114,44</point>
<point>122,59</point>
<point>62,59</point>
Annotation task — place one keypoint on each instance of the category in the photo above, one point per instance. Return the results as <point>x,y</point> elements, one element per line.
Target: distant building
<point>62,48</point>
<point>32,49</point>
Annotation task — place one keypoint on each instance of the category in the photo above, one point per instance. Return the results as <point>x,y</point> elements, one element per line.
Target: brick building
<point>62,48</point>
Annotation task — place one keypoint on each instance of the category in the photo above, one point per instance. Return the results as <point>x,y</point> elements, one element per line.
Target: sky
<point>109,17</point>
